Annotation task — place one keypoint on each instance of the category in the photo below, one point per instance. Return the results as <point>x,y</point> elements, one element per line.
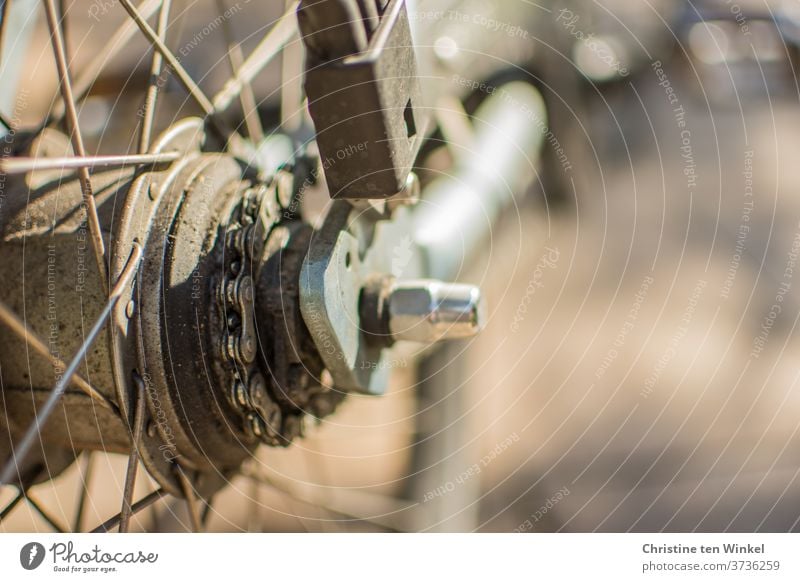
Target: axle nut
<point>428,311</point>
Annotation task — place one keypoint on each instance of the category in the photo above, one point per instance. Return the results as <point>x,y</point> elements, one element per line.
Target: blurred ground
<point>651,402</point>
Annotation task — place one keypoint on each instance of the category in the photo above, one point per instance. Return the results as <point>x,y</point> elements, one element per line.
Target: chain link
<point>248,394</point>
<point>273,409</point>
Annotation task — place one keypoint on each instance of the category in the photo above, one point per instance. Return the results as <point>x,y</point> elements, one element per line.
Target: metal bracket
<point>352,246</point>
<point>365,105</point>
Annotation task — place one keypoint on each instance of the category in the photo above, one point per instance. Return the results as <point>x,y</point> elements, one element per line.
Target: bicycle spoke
<point>115,44</point>
<point>133,458</point>
<point>235,57</point>
<point>272,43</point>
<point>191,500</point>
<point>21,330</point>
<point>86,471</point>
<point>62,12</point>
<point>10,507</point>
<point>25,165</point>
<point>57,40</point>
<point>169,56</point>
<point>155,73</point>
<point>40,510</point>
<point>146,501</point>
<point>28,440</point>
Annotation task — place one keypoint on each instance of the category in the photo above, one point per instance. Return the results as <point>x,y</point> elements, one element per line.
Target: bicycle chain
<point>273,410</point>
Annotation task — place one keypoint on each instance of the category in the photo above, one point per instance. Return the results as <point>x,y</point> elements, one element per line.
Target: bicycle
<point>224,310</point>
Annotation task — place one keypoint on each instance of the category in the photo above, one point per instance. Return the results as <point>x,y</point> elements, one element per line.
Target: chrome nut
<point>428,311</point>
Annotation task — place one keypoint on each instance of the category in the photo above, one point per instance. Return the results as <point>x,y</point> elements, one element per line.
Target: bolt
<point>428,311</point>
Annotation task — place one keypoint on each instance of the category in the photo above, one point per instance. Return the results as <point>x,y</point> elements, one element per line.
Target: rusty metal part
<point>258,304</point>
<point>62,292</point>
<point>364,95</point>
<point>209,329</point>
<point>296,368</point>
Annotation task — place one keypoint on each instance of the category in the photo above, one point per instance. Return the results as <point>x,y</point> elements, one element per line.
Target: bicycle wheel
<point>155,224</point>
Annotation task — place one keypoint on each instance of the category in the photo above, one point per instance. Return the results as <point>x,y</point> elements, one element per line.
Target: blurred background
<point>640,367</point>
